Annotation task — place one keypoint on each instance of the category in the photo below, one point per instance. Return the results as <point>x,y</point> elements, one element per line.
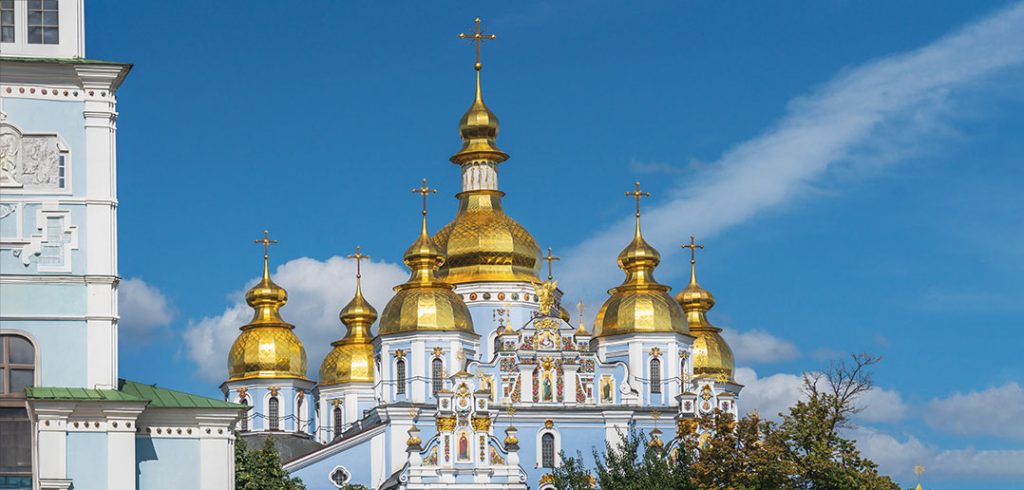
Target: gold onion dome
<point>351,358</point>
<point>712,357</point>
<point>640,304</point>
<point>267,346</point>
<point>424,302</point>
<point>482,243</point>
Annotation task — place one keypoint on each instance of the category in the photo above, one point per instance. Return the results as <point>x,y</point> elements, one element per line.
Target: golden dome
<point>424,302</point>
<point>482,243</point>
<point>712,357</point>
<point>640,304</point>
<point>351,360</point>
<point>479,131</point>
<point>267,346</point>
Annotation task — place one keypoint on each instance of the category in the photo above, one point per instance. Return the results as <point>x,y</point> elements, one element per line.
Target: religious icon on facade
<point>607,389</point>
<point>463,447</point>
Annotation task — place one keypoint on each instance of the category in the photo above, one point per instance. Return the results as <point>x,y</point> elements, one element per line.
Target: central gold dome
<point>483,243</point>
<point>267,346</point>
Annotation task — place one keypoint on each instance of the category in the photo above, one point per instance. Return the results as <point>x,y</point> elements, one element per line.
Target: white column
<point>216,461</point>
<point>526,383</point>
<point>378,472</point>
<point>418,364</point>
<point>569,384</point>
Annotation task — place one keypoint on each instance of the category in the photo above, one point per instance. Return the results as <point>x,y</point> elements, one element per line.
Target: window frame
<point>337,421</point>
<point>436,375</point>
<point>400,377</point>
<point>273,414</point>
<point>655,375</point>
<point>547,450</point>
<point>16,400</point>
<point>43,25</point>
<point>243,425</point>
<point>13,25</point>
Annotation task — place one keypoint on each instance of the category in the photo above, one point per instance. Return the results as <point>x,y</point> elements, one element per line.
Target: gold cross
<point>478,37</point>
<point>638,194</point>
<point>424,191</point>
<point>580,306</point>
<point>358,256</point>
<point>693,246</point>
<point>550,258</point>
<point>266,242</point>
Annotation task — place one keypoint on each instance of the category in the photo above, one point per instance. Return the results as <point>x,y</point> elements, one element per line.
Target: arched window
<point>547,450</point>
<point>655,375</point>
<point>437,374</point>
<point>243,426</point>
<point>400,376</point>
<point>338,420</point>
<point>274,412</point>
<point>298,414</point>
<point>17,372</point>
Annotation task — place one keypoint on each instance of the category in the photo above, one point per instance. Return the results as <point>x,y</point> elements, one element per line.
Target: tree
<point>806,450</point>
<point>260,469</point>
<point>812,430</point>
<point>632,464</point>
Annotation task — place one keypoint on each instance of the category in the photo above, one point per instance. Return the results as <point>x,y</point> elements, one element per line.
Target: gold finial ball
<point>477,66</point>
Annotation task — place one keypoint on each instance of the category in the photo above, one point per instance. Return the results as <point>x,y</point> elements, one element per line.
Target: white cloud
<point>759,346</point>
<point>897,457</point>
<point>317,290</point>
<point>876,113</point>
<point>882,405</point>
<point>769,395</point>
<point>145,311</point>
<point>996,411</point>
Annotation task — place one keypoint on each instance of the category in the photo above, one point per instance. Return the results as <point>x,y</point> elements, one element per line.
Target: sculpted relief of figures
<point>31,161</point>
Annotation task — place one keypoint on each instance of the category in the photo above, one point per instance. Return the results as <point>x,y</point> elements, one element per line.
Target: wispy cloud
<point>317,290</point>
<point>896,456</point>
<point>759,346</point>
<point>995,411</point>
<point>145,311</point>
<point>872,114</point>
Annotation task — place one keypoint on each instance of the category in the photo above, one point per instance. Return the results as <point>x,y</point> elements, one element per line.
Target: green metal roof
<point>131,391</point>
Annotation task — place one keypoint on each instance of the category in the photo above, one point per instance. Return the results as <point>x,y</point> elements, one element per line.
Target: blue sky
<point>853,168</point>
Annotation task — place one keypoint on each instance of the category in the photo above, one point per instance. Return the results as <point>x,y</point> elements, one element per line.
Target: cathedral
<point>475,377</point>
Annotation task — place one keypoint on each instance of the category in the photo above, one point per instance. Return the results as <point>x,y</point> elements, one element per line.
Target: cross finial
<point>550,259</point>
<point>358,257</point>
<point>580,306</point>
<point>638,194</point>
<point>477,37</point>
<point>266,242</point>
<point>424,191</point>
<point>693,246</point>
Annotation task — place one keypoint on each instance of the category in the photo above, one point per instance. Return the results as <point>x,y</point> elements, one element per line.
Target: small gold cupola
<point>640,304</point>
<point>424,302</point>
<point>482,243</point>
<point>267,346</point>
<point>712,357</point>
<point>351,358</point>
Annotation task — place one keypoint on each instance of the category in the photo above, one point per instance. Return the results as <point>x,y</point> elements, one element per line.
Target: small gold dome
<point>424,302</point>
<point>640,304</point>
<point>479,131</point>
<point>482,243</point>
<point>712,357</point>
<point>267,346</point>
<point>351,360</point>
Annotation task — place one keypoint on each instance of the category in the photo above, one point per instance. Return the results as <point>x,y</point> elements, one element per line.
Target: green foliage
<point>260,469</point>
<point>806,450</point>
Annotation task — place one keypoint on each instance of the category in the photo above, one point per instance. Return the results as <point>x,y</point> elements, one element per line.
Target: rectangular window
<point>61,171</point>
<point>42,22</point>
<point>7,21</point>
<point>52,253</point>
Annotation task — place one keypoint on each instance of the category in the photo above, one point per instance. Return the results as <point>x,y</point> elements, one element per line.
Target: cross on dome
<point>424,191</point>
<point>266,242</point>
<point>638,194</point>
<point>550,259</point>
<point>358,257</point>
<point>693,246</point>
<point>478,38</point>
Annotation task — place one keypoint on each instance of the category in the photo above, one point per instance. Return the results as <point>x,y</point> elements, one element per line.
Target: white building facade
<point>67,419</point>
